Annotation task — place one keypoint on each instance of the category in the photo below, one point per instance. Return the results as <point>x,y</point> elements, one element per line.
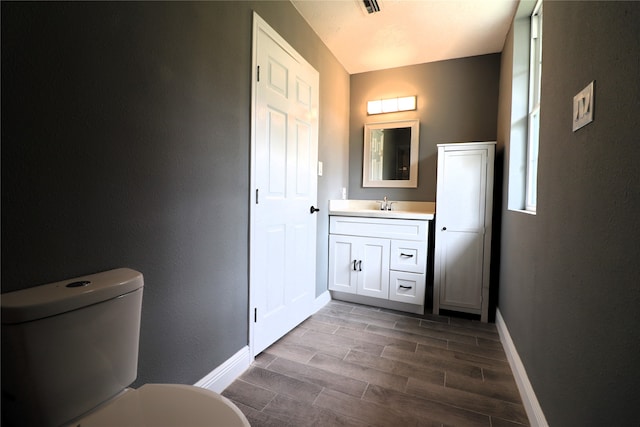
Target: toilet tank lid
<point>60,297</point>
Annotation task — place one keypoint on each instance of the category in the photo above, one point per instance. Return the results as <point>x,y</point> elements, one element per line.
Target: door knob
<point>313,209</point>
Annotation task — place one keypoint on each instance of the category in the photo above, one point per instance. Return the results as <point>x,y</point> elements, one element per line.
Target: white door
<point>284,181</point>
<point>460,227</point>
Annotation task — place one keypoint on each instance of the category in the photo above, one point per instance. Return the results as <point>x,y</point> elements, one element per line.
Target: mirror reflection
<point>391,154</point>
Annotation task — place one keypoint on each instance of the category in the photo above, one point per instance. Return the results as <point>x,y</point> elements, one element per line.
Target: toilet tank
<point>69,346</point>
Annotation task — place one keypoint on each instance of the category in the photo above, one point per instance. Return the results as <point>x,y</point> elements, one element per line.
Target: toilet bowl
<point>70,354</point>
<point>165,405</point>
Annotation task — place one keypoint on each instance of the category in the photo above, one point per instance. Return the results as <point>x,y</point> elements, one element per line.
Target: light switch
<point>319,168</point>
<point>583,104</point>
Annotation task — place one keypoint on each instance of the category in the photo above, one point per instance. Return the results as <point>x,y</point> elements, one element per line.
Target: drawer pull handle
<point>406,255</point>
<point>406,287</point>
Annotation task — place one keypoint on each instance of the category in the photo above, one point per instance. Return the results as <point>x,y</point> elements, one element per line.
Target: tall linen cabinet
<point>464,202</point>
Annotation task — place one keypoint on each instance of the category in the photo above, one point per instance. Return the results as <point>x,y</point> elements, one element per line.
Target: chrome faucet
<point>385,205</point>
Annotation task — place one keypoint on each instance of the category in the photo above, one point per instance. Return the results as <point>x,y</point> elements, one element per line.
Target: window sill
<point>524,211</point>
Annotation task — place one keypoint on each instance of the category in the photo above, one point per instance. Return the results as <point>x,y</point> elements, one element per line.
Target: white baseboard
<point>221,377</point>
<point>529,399</point>
<point>321,300</point>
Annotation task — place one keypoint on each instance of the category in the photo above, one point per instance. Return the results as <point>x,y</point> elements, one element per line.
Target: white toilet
<point>70,352</point>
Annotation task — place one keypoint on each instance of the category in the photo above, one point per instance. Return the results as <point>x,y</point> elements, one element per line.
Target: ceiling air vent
<point>371,6</point>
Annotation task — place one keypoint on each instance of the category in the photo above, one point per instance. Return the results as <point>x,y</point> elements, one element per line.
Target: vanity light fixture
<point>371,6</point>
<point>391,105</point>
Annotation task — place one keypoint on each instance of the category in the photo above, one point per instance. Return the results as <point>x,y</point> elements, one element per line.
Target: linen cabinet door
<point>463,227</point>
<point>461,270</point>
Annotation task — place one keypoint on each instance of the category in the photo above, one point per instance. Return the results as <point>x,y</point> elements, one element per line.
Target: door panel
<point>302,158</point>
<point>275,268</point>
<point>342,254</point>
<point>461,269</point>
<point>299,264</point>
<point>276,153</point>
<point>464,176</point>
<point>373,281</point>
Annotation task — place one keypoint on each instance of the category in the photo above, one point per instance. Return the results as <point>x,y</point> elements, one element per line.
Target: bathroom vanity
<point>379,257</point>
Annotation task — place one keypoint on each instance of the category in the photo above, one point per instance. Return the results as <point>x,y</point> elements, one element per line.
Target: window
<point>535,73</point>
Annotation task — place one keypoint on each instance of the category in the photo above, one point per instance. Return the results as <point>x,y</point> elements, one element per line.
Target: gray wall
<point>125,142</point>
<point>457,102</point>
<point>569,289</point>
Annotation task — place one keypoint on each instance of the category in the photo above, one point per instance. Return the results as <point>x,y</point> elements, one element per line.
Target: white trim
<point>529,399</point>
<point>252,178</point>
<point>524,211</point>
<point>221,377</point>
<point>533,121</point>
<point>321,300</point>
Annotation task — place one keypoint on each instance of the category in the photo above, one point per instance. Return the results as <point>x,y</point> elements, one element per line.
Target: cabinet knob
<point>444,228</point>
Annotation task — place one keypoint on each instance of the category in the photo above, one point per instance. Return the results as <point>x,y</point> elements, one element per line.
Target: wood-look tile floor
<point>354,365</point>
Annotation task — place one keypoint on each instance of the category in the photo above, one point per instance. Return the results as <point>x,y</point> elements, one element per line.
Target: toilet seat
<point>165,405</point>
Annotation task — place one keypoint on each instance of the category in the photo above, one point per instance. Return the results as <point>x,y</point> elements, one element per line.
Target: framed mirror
<point>390,156</point>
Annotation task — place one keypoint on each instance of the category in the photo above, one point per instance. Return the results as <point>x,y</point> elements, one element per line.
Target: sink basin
<point>371,208</point>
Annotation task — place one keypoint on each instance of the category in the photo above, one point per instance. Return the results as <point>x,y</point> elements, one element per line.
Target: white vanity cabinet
<point>379,261</point>
<point>464,199</point>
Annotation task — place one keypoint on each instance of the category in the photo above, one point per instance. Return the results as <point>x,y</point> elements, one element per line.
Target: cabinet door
<point>462,189</point>
<point>342,254</point>
<point>460,268</point>
<point>373,267</point>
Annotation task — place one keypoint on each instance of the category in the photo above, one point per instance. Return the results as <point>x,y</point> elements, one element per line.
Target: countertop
<point>371,208</point>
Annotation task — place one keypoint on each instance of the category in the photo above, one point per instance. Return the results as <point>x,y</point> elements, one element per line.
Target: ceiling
<point>407,32</point>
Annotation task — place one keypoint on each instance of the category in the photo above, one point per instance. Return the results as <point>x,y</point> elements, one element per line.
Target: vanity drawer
<point>407,287</point>
<point>408,255</point>
<point>406,229</point>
